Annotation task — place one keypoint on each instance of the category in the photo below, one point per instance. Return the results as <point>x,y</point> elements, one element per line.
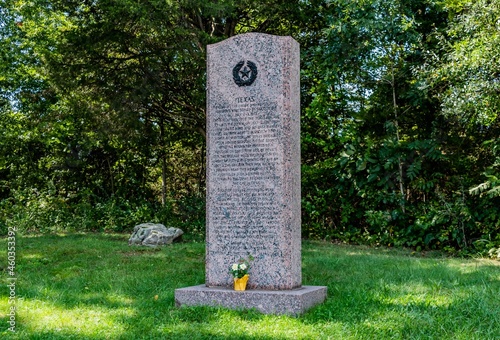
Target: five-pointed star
<point>245,73</point>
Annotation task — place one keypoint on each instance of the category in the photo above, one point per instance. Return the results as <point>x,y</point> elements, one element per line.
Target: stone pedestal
<point>290,302</point>
<point>253,176</point>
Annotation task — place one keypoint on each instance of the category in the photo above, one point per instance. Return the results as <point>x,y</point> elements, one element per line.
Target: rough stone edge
<point>289,302</point>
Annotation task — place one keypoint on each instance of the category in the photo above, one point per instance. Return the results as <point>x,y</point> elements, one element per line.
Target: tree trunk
<point>201,175</point>
<point>163,164</point>
<point>400,164</point>
<point>111,177</point>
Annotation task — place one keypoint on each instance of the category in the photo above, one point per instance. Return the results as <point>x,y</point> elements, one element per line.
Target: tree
<point>115,89</point>
<point>104,104</point>
<point>139,63</point>
<point>467,80</point>
<point>379,123</point>
<point>464,74</point>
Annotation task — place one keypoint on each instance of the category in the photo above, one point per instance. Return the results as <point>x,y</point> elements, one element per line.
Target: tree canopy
<point>102,114</point>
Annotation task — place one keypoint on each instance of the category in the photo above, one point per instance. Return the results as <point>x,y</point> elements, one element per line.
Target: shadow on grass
<point>86,287</point>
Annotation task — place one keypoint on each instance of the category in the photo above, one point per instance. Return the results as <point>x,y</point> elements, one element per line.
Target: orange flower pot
<point>241,284</point>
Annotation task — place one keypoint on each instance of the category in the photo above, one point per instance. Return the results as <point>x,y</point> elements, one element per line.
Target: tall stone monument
<point>253,177</point>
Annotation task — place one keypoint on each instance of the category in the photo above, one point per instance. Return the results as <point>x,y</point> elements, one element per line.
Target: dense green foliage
<point>102,115</point>
<point>414,135</point>
<point>95,286</point>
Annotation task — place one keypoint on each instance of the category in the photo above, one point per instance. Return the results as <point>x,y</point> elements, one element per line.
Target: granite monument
<point>253,176</point>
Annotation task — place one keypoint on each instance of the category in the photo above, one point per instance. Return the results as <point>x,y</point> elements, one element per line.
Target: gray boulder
<point>153,234</point>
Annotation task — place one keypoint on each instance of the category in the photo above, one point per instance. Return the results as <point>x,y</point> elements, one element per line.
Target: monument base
<point>290,302</point>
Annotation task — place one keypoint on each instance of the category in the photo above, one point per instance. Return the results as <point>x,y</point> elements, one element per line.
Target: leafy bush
<point>354,197</point>
<point>43,211</point>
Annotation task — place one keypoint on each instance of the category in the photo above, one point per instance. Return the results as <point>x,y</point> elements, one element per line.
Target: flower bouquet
<point>239,271</point>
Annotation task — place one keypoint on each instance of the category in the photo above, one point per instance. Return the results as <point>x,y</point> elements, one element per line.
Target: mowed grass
<point>94,286</point>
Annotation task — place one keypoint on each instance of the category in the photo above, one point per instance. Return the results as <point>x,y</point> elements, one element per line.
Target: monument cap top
<point>253,36</point>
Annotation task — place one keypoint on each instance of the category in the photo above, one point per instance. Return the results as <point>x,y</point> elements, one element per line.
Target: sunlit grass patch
<point>38,316</point>
<point>92,286</point>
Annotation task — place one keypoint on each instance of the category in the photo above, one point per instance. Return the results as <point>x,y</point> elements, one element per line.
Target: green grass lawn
<point>92,286</point>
